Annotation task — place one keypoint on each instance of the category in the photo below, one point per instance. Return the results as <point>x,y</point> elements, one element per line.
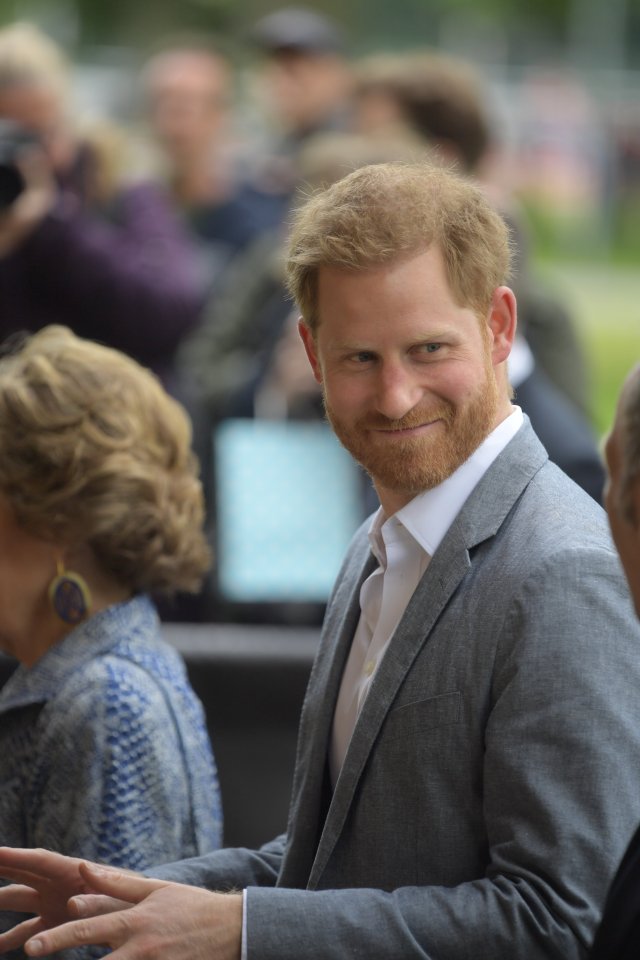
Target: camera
<point>13,140</point>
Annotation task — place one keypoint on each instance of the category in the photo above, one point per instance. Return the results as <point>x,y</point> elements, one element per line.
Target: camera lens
<point>11,184</point>
<point>13,140</point>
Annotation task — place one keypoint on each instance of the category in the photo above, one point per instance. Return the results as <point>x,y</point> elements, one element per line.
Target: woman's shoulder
<point>137,669</point>
<point>132,668</point>
<point>124,672</point>
<point>126,639</point>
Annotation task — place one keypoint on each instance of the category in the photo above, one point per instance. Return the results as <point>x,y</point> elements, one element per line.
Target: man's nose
<point>397,391</point>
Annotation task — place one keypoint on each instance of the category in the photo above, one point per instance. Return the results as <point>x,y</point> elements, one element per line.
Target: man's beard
<point>413,464</point>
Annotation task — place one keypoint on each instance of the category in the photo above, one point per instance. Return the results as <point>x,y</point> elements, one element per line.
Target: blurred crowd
<point>166,241</point>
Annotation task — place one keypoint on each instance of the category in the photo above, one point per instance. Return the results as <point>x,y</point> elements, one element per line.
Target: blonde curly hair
<point>94,452</point>
<point>381,212</point>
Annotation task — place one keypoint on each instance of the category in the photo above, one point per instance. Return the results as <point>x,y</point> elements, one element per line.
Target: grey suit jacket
<point>493,778</point>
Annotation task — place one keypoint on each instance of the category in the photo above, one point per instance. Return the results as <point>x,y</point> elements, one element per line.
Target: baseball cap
<point>297,29</point>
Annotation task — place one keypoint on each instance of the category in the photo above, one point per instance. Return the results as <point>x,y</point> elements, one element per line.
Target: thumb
<point>94,905</point>
<point>120,884</point>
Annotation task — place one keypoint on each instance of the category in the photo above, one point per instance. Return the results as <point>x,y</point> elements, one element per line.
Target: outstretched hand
<point>161,919</point>
<point>43,883</point>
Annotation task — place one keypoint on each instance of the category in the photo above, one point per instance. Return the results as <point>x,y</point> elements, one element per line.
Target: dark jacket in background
<point>124,274</point>
<point>618,937</point>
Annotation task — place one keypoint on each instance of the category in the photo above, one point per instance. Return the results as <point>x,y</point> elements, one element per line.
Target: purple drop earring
<point>69,595</point>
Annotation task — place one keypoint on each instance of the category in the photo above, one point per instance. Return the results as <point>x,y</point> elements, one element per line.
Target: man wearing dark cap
<point>296,28</point>
<point>306,76</point>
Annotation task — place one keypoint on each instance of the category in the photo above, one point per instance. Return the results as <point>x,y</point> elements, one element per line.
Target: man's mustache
<point>415,418</point>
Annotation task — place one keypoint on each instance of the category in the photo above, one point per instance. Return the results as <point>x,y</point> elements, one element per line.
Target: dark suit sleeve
<point>564,431</point>
<point>618,937</point>
<point>227,869</point>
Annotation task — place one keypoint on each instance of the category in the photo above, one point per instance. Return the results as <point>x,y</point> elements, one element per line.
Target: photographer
<point>111,262</point>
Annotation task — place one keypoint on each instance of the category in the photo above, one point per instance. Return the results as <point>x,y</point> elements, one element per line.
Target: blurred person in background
<point>188,90</point>
<point>441,98</point>
<point>246,358</point>
<point>77,245</point>
<point>444,99</point>
<point>228,359</point>
<point>306,82</point>
<point>103,745</point>
<point>618,937</point>
<point>305,78</point>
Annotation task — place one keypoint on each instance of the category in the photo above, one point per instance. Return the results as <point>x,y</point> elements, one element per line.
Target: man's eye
<point>432,347</point>
<point>363,357</point>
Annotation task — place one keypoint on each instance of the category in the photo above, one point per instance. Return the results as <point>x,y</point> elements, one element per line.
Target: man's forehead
<point>428,259</point>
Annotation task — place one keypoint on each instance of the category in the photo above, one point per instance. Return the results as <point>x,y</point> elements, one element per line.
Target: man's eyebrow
<point>353,347</point>
<point>443,333</point>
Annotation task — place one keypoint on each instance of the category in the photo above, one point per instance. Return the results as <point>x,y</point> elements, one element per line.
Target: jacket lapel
<point>430,598</point>
<point>307,811</point>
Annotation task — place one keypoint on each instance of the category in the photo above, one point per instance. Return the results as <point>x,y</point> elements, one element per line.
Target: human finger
<point>43,863</point>
<point>111,930</point>
<point>95,905</point>
<point>16,937</point>
<point>25,877</point>
<point>21,899</point>
<point>119,884</point>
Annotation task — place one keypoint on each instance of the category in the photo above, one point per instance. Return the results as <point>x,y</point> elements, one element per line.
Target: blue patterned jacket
<point>104,752</point>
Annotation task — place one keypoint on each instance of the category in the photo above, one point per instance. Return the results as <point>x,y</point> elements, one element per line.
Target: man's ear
<point>502,322</point>
<point>310,347</point>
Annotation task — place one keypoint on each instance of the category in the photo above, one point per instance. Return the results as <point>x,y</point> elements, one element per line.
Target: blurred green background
<point>605,299</point>
<point>589,31</point>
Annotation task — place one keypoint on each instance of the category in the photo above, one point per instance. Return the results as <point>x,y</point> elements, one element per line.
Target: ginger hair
<point>383,212</point>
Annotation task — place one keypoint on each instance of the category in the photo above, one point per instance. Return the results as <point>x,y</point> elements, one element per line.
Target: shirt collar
<point>430,514</point>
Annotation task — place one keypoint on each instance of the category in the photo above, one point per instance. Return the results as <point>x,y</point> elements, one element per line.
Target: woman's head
<point>94,454</point>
